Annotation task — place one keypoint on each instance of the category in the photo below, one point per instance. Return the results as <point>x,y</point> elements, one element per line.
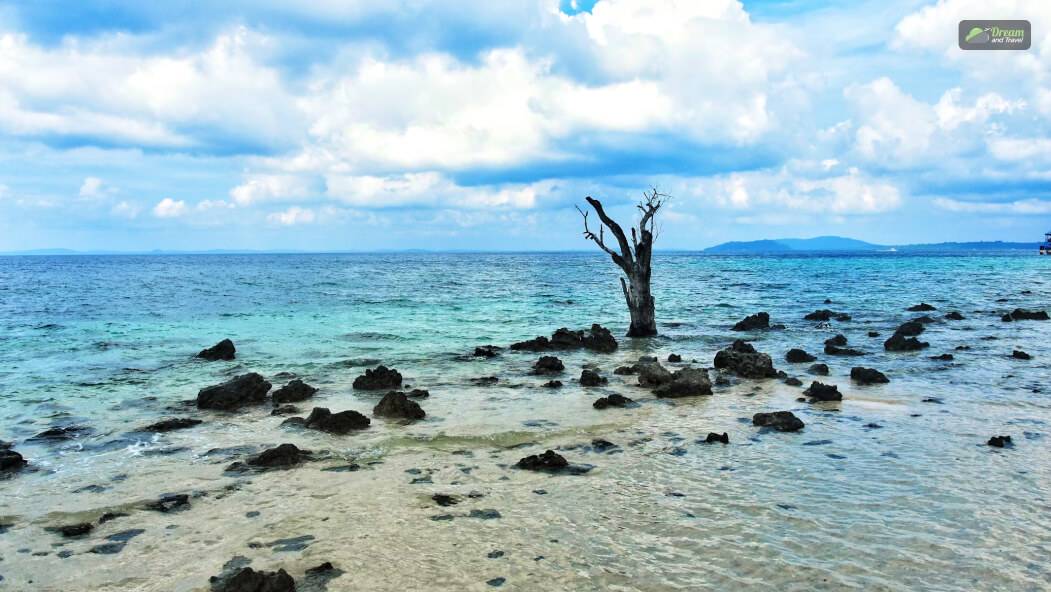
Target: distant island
<point>839,243</point>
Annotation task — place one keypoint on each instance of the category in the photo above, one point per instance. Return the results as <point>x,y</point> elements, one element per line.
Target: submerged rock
<point>910,329</point>
<point>652,374</point>
<point>282,457</point>
<point>832,350</point>
<point>1020,314</point>
<point>793,381</point>
<point>548,461</point>
<point>873,333</point>
<point>293,392</point>
<point>921,307</point>
<point>285,410</point>
<point>1020,355</point>
<point>592,378</point>
<point>782,421</point>
<point>819,369</point>
<point>60,433</point>
<point>322,419</point>
<point>596,339</point>
<point>798,356</point>
<point>924,320</point>
<point>224,350</point>
<point>823,392</point>
<point>11,460</point>
<point>688,382</point>
<point>943,358</point>
<point>397,404</point>
<point>170,502</point>
<point>246,389</point>
<point>71,531</point>
<point>839,339</point>
<point>753,322</point>
<point>380,378</point>
<point>714,437</point>
<point>826,315</point>
<point>553,384</point>
<point>176,423</point>
<point>612,401</point>
<point>954,316</point>
<point>487,351</point>
<point>999,441</point>
<point>624,371</point>
<point>742,359</point>
<point>674,358</point>
<point>899,342</point>
<point>249,580</point>
<point>548,365</point>
<point>868,375</point>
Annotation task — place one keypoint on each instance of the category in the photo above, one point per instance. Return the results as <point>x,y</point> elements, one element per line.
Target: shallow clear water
<point>922,502</point>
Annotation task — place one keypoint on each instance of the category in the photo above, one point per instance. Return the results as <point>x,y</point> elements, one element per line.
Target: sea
<point>892,488</point>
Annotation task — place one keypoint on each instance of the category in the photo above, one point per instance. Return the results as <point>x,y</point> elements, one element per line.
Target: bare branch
<point>625,248</point>
<point>597,239</point>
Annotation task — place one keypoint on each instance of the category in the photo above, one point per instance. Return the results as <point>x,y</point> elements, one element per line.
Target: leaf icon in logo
<point>978,35</point>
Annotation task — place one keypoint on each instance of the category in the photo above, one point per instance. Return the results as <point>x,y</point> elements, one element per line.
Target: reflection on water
<point>918,502</point>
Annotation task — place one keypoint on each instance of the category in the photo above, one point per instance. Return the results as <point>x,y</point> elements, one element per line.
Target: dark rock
<point>819,369</point>
<point>597,339</point>
<point>924,320</point>
<point>485,380</point>
<point>322,419</point>
<point>921,307</point>
<point>1006,318</point>
<point>826,315</point>
<point>899,342</point>
<point>873,333</point>
<point>548,365</point>
<point>246,389</point>
<point>782,421</point>
<point>285,410</point>
<point>496,582</point>
<point>868,375</point>
<point>943,358</point>
<point>652,374</point>
<point>487,351</point>
<point>793,381</point>
<point>910,329</point>
<point>249,580</point>
<point>823,392</point>
<point>495,554</point>
<point>418,394</point>
<point>380,378</point>
<point>798,356</point>
<point>832,350</point>
<point>999,441</point>
<point>70,531</point>
<point>963,347</point>
<point>284,456</point>
<point>444,500</point>
<point>714,437</point>
<point>111,516</point>
<point>125,536</point>
<point>839,339</point>
<point>293,392</point>
<point>60,433</point>
<point>224,350</point>
<point>553,384</point>
<point>107,548</point>
<point>1020,355</point>
<point>397,404</point>
<point>487,514</point>
<point>674,358</point>
<point>624,371</point>
<point>1020,314</point>
<point>954,316</point>
<point>167,425</point>
<point>688,382</point>
<point>548,461</point>
<point>612,401</point>
<point>753,322</point>
<point>11,460</point>
<point>592,378</point>
<point>742,359</point>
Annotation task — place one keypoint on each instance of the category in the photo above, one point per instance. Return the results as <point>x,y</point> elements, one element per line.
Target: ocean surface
<point>919,502</point>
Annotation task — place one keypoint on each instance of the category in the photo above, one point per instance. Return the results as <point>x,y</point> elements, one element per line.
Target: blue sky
<point>448,125</point>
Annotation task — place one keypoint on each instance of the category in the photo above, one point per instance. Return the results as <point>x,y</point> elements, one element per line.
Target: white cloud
<point>126,209</point>
<point>91,187</point>
<point>168,208</point>
<point>293,215</point>
<point>1021,149</point>
<point>266,188</point>
<point>1025,206</point>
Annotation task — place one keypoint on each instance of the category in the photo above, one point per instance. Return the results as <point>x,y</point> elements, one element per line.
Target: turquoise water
<point>108,343</point>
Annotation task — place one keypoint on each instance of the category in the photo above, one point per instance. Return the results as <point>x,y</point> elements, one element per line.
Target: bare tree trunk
<point>634,259</point>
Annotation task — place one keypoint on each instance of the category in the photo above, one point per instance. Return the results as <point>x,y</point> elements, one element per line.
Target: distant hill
<point>839,243</point>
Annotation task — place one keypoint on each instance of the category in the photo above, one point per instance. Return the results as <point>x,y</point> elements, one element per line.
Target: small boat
<point>1045,247</point>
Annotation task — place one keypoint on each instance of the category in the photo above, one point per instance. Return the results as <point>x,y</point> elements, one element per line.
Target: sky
<point>446,125</point>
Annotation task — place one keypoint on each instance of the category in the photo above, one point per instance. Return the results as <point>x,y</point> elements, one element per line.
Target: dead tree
<point>633,258</point>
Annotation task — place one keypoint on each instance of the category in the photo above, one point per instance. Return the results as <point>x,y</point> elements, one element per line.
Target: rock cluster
<point>224,350</point>
<point>742,359</point>
<point>379,379</point>
<point>246,389</point>
<point>596,339</point>
<point>782,421</point>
